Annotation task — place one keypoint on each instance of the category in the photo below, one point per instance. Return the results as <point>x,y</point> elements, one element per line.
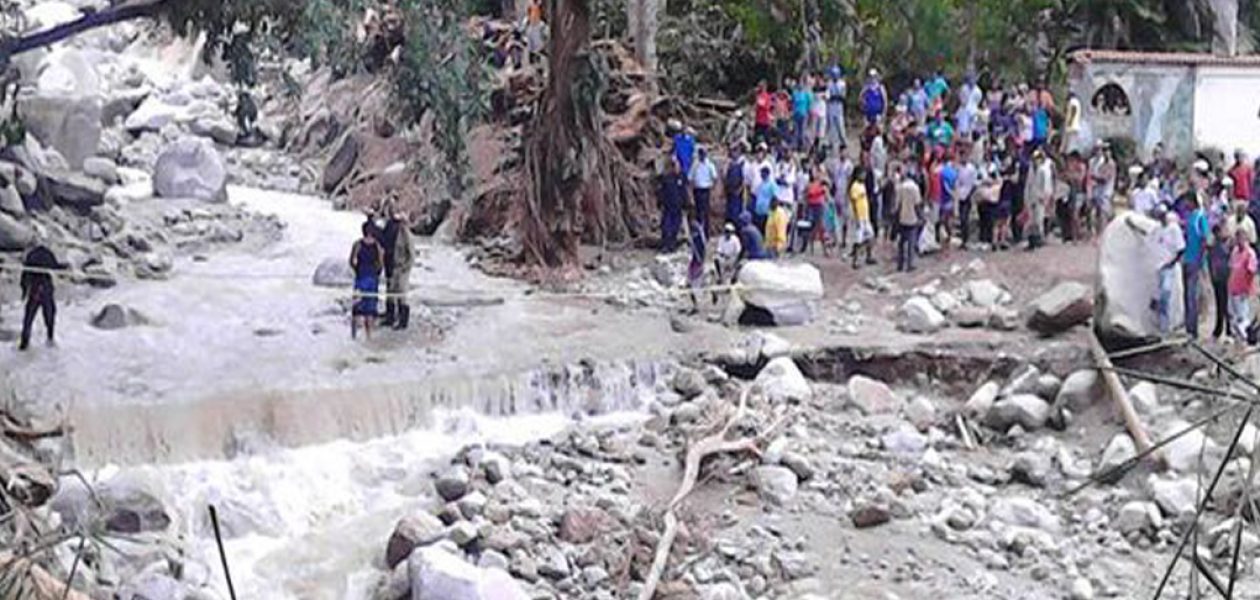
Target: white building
<point>1187,101</point>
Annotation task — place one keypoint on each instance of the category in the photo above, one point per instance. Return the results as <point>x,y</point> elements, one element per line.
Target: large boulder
<point>918,315</point>
<point>437,574</point>
<point>64,108</point>
<point>1063,307</point>
<point>785,291</point>
<point>333,273</point>
<point>341,163</point>
<point>14,234</point>
<point>1128,278</point>
<point>781,380</point>
<point>190,168</point>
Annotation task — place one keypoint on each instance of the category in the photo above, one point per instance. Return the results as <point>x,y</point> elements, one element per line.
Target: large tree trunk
<point>580,188</point>
<point>643,20</point>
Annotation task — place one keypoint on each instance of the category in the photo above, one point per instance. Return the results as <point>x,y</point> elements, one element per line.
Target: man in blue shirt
<point>949,181</point>
<point>765,194</point>
<point>1192,259</point>
<point>685,148</point>
<point>703,177</point>
<point>937,87</point>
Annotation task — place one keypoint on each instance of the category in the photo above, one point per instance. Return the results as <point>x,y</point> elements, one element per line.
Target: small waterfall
<point>243,422</point>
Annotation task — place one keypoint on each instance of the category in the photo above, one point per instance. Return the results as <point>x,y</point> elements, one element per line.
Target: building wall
<point>1227,115</point>
<point>1162,101</point>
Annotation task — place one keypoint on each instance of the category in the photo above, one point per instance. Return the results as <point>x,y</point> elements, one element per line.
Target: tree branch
<point>115,14</point>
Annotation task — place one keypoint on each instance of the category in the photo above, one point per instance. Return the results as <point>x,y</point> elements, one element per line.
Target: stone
<point>1047,387</point>
<point>1063,307</point>
<point>984,293</point>
<point>1118,451</point>
<point>799,465</point>
<point>1138,517</point>
<point>921,412</point>
<point>1002,318</point>
<point>918,315</point>
<point>1023,381</point>
<point>452,484</point>
<point>101,168</point>
<point>11,201</point>
<point>1024,512</point>
<point>945,302</point>
<point>190,168</point>
<point>552,563</point>
<point>64,108</point>
<point>463,533</point>
<point>905,439</point>
<point>218,128</point>
<point>411,532</point>
<point>784,290</point>
<point>493,559</point>
<point>74,190</point>
<point>1249,438</point>
<point>472,504</point>
<point>495,466</point>
<point>969,317</point>
<point>1032,468</point>
<point>781,380</point>
<point>1184,453</point>
<point>1128,277</point>
<point>583,524</point>
<point>20,177</point>
<point>437,574</point>
<point>1026,410</point>
<point>1176,497</point>
<point>1082,589</point>
<point>341,163</point>
<point>113,317</point>
<point>14,234</point>
<point>129,508</point>
<point>1145,397</point>
<point>721,591</point>
<point>981,400</point>
<point>333,273</point>
<point>871,396</point>
<point>776,485</point>
<point>1080,390</point>
<point>688,382</point>
<point>151,586</point>
<point>868,515</point>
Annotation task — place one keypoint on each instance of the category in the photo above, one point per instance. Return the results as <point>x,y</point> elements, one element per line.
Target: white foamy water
<point>312,523</point>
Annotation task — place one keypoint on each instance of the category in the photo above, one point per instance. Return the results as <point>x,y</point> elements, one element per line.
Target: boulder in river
<point>113,317</point>
<point>190,168</point>
<point>411,532</point>
<point>333,273</point>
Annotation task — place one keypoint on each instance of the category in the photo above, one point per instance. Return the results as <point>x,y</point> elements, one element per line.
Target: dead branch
<point>1121,399</point>
<point>713,444</point>
<point>38,580</point>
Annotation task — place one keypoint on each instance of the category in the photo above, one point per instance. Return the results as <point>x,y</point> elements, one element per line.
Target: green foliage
<point>328,34</point>
<point>439,71</point>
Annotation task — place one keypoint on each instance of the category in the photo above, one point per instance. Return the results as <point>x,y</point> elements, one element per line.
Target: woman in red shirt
<point>762,119</point>
<point>816,201</point>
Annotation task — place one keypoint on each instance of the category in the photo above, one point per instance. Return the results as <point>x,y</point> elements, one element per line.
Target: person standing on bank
<point>398,260</point>
<point>367,260</point>
<point>38,292</point>
<point>703,177</point>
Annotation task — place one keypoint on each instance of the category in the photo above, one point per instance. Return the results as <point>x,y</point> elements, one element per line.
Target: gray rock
<point>722,591</point>
<point>496,467</point>
<point>217,128</point>
<point>333,273</point>
<point>190,168</point>
<point>981,401</point>
<point>688,382</point>
<point>1082,589</point>
<point>472,504</point>
<point>452,484</point>
<point>101,168</point>
<point>782,381</point>
<point>436,574</point>
<point>984,293</point>
<point>1026,410</point>
<point>463,533</point>
<point>14,234</point>
<point>1176,497</point>
<point>1191,451</point>
<point>921,412</point>
<point>11,201</point>
<point>1024,512</point>
<point>1024,381</point>
<point>411,532</point>
<point>552,563</point>
<point>1002,318</point>
<point>969,317</point>
<point>905,439</point>
<point>1033,468</point>
<point>19,177</point>
<point>867,515</point>
<point>918,315</point>
<point>1063,307</point>
<point>1118,451</point>
<point>341,163</point>
<point>1145,397</point>
<point>152,586</point>
<point>112,317</point>
<point>64,109</point>
<point>1080,390</point>
<point>799,465</point>
<point>129,508</point>
<point>1128,278</point>
<point>1047,387</point>
<point>1138,517</point>
<point>74,190</point>
<point>871,396</point>
<point>493,559</point>
<point>776,485</point>
<point>396,586</point>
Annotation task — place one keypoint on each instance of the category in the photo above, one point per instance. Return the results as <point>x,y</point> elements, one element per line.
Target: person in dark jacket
<point>672,198</point>
<point>38,292</point>
<point>399,258</point>
<point>1218,269</point>
<point>367,259</point>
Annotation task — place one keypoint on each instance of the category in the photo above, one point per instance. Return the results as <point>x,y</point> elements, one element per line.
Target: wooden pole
<point>1120,399</point>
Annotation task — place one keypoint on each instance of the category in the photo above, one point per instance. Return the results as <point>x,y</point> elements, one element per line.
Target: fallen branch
<point>1121,399</point>
<point>38,583</point>
<point>713,444</point>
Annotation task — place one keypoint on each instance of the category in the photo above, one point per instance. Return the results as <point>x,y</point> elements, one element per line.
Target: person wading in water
<point>367,259</point>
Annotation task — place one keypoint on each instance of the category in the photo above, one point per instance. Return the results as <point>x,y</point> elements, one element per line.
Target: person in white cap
<point>1168,245</point>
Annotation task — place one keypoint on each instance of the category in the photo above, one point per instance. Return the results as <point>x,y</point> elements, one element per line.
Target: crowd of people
<point>981,165</point>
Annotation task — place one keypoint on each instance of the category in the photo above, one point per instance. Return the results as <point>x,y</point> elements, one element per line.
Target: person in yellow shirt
<point>863,231</point>
<point>777,229</point>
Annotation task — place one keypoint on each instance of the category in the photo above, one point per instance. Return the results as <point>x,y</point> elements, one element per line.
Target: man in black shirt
<point>37,291</point>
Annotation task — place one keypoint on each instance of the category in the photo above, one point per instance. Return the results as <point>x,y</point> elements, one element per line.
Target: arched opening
<point>1111,100</point>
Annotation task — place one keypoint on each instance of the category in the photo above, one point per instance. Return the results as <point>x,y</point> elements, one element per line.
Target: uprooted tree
<point>579,187</point>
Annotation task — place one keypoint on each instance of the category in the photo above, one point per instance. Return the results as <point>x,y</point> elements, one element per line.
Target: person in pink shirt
<point>1242,284</point>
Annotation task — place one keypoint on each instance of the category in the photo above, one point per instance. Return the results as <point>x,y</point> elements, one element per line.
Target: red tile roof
<point>1184,59</point>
